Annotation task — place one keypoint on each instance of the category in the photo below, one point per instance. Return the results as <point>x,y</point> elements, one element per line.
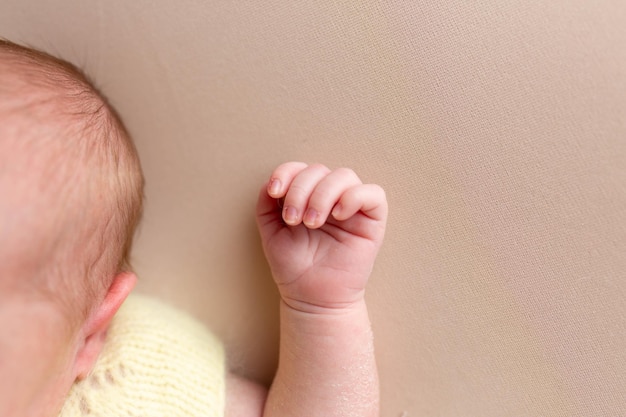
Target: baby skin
<point>321,247</point>
<point>70,199</point>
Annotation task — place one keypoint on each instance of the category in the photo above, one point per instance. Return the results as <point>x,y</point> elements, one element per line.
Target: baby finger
<point>299,192</point>
<point>327,194</point>
<point>282,177</point>
<point>370,199</point>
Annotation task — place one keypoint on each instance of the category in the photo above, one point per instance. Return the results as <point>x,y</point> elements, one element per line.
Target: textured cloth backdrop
<point>497,128</point>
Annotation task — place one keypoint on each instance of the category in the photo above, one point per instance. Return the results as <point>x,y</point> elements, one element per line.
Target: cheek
<point>35,360</point>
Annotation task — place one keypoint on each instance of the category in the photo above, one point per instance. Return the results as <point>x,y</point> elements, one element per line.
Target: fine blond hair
<point>82,169</point>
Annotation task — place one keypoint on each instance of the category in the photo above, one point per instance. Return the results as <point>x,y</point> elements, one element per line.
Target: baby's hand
<point>321,231</point>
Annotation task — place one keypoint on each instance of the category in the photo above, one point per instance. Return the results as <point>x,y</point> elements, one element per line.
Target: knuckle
<point>378,193</point>
<point>319,167</point>
<point>380,190</point>
<point>377,188</point>
<point>345,171</point>
<point>288,167</point>
<point>348,174</point>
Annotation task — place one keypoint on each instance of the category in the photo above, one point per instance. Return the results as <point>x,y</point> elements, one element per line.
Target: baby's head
<point>70,198</point>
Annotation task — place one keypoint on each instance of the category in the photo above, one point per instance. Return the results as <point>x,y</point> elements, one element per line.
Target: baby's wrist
<point>326,308</point>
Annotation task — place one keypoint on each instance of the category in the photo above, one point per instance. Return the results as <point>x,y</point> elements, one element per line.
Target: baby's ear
<point>93,332</point>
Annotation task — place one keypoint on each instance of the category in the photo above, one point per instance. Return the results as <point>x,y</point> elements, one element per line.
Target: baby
<point>70,198</point>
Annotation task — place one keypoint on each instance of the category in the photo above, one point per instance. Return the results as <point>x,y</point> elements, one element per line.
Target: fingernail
<point>336,210</point>
<point>310,216</point>
<point>290,214</point>
<point>274,187</point>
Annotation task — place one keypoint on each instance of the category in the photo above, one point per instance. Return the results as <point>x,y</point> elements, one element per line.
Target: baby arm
<point>321,247</point>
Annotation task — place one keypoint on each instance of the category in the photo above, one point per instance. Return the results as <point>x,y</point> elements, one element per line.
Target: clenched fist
<point>321,231</point>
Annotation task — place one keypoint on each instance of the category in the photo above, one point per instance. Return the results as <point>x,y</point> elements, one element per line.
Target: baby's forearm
<point>326,366</point>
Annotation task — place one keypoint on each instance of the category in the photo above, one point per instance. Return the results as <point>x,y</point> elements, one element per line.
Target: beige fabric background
<point>498,129</point>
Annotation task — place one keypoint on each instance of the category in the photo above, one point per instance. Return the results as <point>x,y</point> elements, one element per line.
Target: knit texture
<point>157,361</point>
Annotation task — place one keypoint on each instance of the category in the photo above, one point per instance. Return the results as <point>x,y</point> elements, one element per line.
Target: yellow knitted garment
<point>157,362</point>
